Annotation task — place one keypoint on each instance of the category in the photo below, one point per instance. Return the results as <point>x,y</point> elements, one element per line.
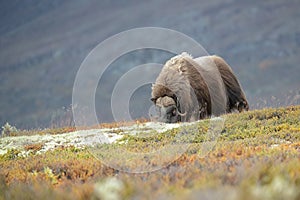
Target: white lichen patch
<point>81,138</point>
<point>109,189</point>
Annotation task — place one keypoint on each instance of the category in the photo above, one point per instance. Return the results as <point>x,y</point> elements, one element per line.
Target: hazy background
<point>43,43</point>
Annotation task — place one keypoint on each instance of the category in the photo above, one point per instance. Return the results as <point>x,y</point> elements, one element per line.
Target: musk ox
<point>189,89</point>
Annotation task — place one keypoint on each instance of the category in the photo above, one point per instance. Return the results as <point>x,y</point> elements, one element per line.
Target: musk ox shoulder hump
<point>177,62</point>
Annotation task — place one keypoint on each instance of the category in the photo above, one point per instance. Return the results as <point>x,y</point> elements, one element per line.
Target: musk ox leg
<point>242,106</point>
<point>203,111</point>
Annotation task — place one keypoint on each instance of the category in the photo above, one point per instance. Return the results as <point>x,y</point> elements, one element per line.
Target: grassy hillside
<point>257,156</point>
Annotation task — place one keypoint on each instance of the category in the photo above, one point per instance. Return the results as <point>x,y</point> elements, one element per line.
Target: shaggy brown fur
<point>200,87</point>
<point>237,98</point>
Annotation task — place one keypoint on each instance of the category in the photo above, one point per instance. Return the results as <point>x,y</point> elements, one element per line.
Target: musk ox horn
<point>181,114</point>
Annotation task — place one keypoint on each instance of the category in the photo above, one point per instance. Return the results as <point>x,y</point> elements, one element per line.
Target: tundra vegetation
<point>257,156</point>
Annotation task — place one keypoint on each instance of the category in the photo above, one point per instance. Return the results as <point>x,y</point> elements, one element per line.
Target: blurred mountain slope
<point>42,44</point>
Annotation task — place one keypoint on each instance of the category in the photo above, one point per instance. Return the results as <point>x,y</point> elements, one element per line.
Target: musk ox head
<point>167,105</point>
<point>167,110</point>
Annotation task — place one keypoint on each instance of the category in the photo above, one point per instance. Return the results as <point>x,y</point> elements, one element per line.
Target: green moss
<point>11,154</point>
